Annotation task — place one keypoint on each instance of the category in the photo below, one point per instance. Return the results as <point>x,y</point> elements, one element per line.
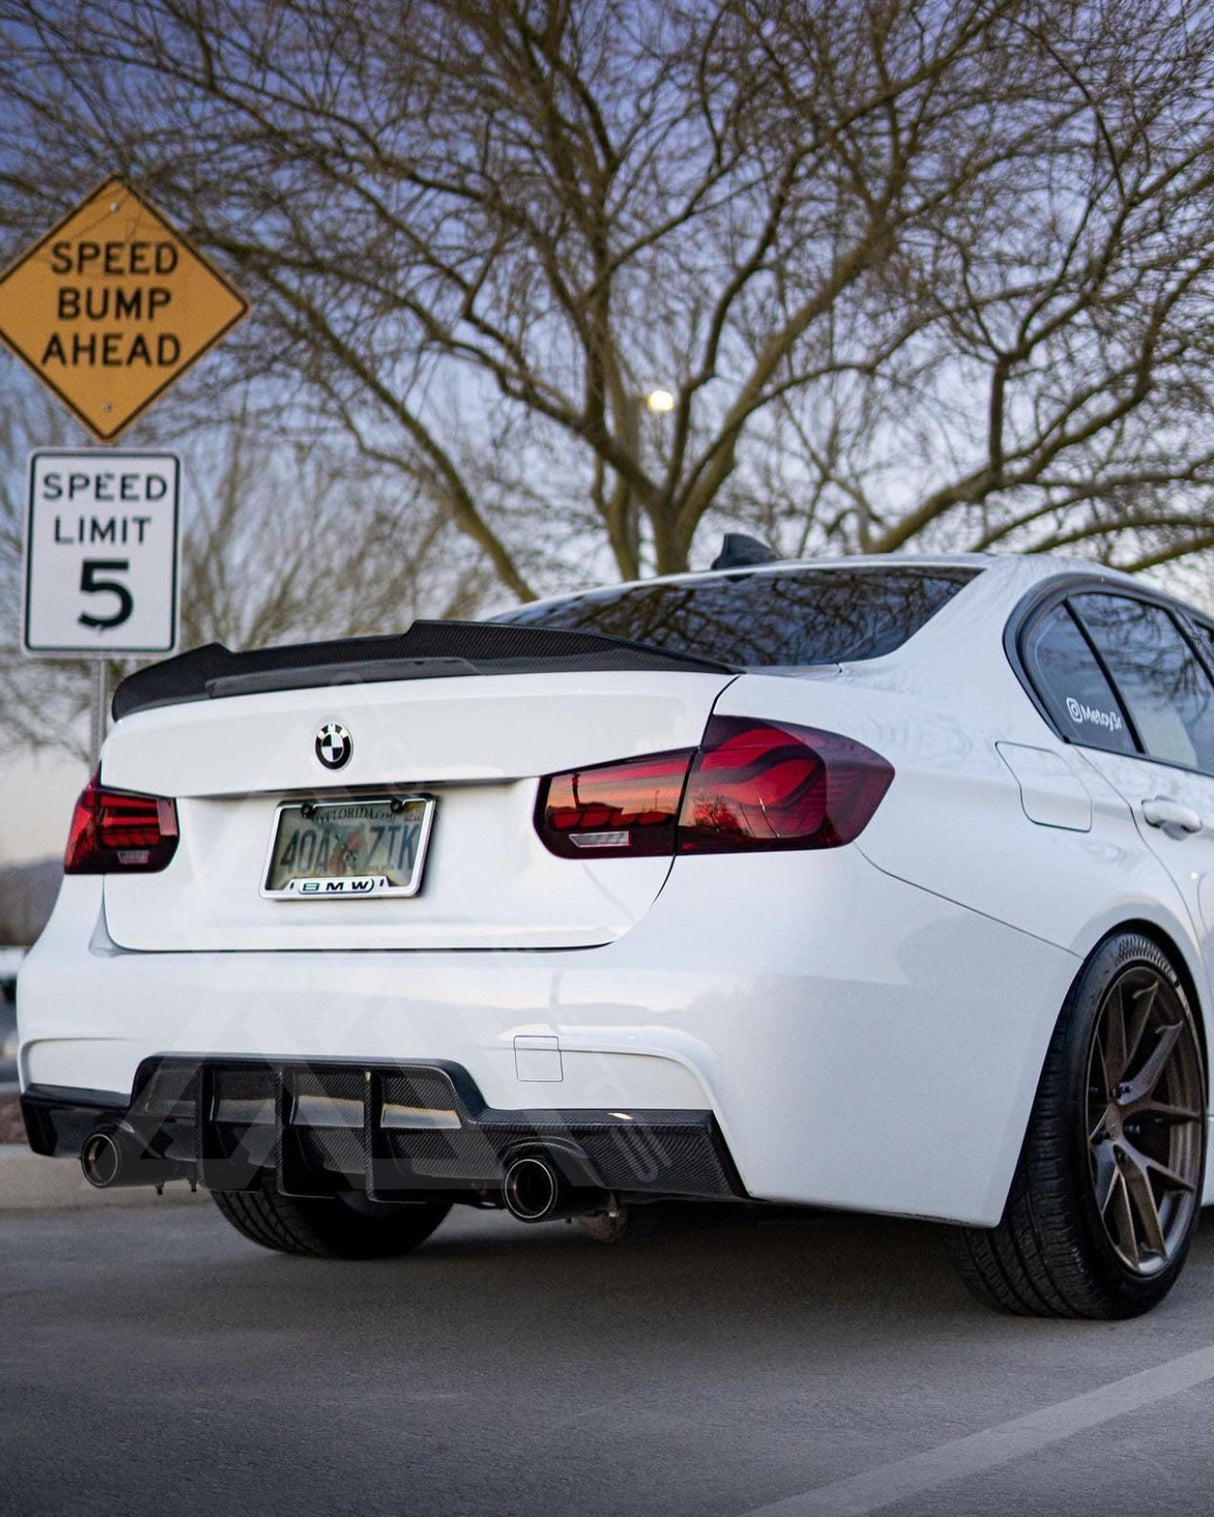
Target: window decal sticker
<point>1111,720</point>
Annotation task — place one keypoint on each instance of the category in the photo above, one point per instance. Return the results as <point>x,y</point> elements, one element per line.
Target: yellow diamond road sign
<point>112,306</point>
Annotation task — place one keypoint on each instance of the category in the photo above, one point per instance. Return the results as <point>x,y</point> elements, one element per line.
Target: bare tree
<point>44,702</point>
<point>1054,216</point>
<point>912,273</point>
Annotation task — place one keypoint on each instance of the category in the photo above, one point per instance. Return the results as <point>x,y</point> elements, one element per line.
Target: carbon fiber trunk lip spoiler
<point>428,650</point>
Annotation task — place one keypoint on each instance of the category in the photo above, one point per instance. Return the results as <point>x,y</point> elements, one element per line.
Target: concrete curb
<point>30,1182</point>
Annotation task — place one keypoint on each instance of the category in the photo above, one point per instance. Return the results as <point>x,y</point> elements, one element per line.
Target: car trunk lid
<point>476,745</point>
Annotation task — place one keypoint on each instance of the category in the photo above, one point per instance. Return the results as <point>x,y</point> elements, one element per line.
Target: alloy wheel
<point>1144,1119</point>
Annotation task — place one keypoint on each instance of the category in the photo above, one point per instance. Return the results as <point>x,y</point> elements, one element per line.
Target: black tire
<point>348,1226</point>
<point>1107,1192</point>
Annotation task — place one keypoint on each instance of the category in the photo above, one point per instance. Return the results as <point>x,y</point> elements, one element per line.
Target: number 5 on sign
<point>91,585</point>
<point>101,553</point>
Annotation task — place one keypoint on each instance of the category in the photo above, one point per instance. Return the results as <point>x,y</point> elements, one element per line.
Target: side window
<point>1169,695</point>
<point>1205,639</point>
<point>1070,682</point>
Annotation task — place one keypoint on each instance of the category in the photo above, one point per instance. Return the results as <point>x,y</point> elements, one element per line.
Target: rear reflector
<point>114,832</point>
<point>751,785</point>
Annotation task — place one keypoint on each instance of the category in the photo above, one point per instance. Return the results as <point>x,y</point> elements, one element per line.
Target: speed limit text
<point>101,529</point>
<point>102,485</point>
<point>96,487</point>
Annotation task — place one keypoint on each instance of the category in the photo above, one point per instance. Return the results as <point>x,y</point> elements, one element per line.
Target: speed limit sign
<point>101,553</point>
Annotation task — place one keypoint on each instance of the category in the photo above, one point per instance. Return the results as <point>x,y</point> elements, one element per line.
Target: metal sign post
<point>97,723</point>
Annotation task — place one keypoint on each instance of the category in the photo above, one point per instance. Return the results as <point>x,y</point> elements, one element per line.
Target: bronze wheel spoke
<point>1166,1112</point>
<point>1118,1217</point>
<point>1100,1074</point>
<point>1114,1041</point>
<point>1171,1178</point>
<point>1144,1005</point>
<point>1106,1175</point>
<point>1144,1206</point>
<point>1145,1081</point>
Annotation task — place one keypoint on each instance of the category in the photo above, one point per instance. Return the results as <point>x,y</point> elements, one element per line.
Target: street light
<point>660,401</point>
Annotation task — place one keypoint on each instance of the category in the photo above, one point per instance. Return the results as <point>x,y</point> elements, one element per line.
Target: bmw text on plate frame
<point>880,884</point>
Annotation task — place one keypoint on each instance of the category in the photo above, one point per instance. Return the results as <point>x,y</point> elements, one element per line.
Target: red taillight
<point>626,808</point>
<point>758,785</point>
<point>751,785</point>
<point>116,833</point>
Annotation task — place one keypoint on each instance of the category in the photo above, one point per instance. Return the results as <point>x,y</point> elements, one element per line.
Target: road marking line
<point>881,1487</point>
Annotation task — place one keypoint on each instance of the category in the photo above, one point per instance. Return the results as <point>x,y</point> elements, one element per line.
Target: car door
<point>1166,698</point>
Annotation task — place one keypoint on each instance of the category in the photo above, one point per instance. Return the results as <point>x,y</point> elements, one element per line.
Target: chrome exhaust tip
<point>115,1156</point>
<point>100,1159</point>
<point>535,1189</point>
<point>531,1188</point>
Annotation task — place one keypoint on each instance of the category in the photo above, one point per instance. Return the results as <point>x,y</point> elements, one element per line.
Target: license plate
<point>333,850</point>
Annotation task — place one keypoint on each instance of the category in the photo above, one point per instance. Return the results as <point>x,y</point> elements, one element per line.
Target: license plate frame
<point>322,818</point>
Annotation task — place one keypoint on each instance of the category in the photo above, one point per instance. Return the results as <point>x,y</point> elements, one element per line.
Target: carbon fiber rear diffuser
<point>396,1132</point>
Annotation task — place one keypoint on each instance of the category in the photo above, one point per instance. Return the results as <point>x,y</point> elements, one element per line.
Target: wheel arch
<point>1173,937</point>
<point>1175,954</point>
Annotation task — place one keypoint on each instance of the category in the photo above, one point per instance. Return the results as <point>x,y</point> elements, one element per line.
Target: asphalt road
<point>151,1361</point>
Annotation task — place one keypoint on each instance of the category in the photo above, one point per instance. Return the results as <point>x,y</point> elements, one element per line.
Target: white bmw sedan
<point>880,884</point>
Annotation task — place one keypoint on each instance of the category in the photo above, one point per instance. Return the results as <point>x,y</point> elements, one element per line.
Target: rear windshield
<point>753,619</point>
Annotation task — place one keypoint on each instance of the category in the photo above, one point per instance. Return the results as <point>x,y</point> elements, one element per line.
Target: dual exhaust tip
<point>535,1186</point>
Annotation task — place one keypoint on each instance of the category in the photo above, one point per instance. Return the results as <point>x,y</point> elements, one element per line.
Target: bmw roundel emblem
<point>334,745</point>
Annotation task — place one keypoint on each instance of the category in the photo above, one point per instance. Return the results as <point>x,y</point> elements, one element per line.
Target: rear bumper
<point>393,1131</point>
<point>859,1043</point>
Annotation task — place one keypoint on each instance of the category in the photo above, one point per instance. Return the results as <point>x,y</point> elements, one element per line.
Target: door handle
<point>1160,811</point>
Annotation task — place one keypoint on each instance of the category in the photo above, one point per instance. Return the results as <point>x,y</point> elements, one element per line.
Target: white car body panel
<point>476,743</point>
<point>867,1024</point>
<point>952,787</point>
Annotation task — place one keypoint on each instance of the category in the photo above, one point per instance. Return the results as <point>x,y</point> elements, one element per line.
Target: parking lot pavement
<point>151,1360</point>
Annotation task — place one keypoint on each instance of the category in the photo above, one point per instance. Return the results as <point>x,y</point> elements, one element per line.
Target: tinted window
<point>1063,667</point>
<point>1168,693</point>
<point>1205,638</point>
<point>797,616</point>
